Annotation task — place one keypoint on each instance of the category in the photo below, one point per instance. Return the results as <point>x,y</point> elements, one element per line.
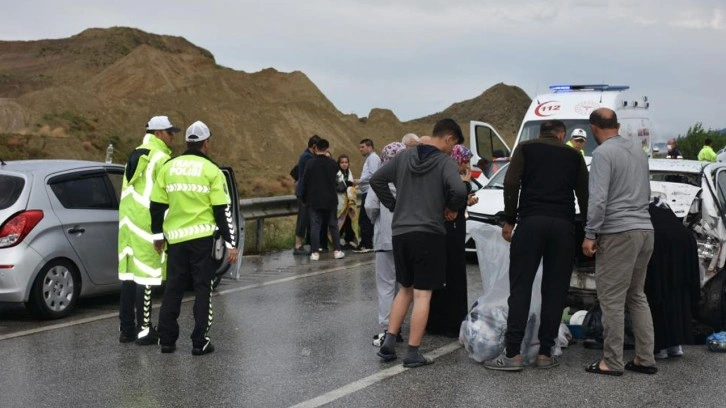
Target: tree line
<point>692,142</point>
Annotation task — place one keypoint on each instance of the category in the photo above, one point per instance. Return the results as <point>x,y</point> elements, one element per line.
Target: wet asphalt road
<point>291,333</point>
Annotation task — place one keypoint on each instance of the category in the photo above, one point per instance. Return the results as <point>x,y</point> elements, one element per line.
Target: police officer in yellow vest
<point>194,191</point>
<point>577,141</point>
<point>140,267</point>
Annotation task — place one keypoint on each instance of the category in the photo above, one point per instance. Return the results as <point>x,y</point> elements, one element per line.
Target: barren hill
<point>71,97</point>
<point>502,105</point>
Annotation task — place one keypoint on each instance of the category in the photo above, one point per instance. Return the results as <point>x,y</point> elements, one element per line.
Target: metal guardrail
<point>260,208</point>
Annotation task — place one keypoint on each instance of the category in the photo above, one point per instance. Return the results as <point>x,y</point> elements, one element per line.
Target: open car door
<point>487,144</point>
<point>226,269</point>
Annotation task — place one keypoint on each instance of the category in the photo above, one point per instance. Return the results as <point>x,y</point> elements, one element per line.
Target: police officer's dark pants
<point>366,226</point>
<point>551,240</point>
<point>132,297</point>
<point>188,261</point>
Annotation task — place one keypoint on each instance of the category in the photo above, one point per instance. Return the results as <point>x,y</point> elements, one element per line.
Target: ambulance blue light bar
<point>594,87</point>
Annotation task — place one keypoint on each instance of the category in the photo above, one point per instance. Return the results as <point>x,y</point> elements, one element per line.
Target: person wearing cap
<point>140,267</point>
<point>577,141</point>
<point>192,191</point>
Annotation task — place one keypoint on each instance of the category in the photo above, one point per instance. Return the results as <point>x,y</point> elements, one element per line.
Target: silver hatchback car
<point>58,232</point>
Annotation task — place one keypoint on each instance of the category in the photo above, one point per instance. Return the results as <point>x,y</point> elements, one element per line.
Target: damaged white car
<point>694,190</point>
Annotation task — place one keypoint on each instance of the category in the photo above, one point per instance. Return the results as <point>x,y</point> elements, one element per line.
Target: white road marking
<point>356,386</point>
<point>185,299</point>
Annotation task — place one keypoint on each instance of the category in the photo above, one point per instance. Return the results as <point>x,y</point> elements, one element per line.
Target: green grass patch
<point>279,234</point>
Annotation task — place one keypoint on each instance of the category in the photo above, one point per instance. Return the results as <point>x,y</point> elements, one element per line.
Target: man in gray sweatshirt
<point>428,191</point>
<point>620,232</point>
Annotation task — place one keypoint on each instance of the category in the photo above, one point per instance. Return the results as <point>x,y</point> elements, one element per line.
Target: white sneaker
<point>675,351</point>
<point>662,354</point>
<point>378,339</point>
<point>339,254</point>
<point>315,256</point>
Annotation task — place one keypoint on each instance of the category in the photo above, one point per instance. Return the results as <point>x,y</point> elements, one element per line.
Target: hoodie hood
<point>425,158</point>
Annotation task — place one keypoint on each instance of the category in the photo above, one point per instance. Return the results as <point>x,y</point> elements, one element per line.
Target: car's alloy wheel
<point>55,290</point>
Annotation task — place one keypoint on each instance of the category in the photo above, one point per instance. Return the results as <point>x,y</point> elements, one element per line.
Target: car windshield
<point>530,131</point>
<point>676,177</point>
<point>11,188</point>
<point>497,182</point>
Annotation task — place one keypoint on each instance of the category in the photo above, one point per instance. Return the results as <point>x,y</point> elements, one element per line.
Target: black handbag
<point>341,187</point>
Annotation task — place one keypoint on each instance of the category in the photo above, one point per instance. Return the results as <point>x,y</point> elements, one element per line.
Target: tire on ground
<point>55,290</point>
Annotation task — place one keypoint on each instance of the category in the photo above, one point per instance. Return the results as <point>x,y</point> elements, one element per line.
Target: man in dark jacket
<point>317,189</point>
<point>302,224</point>
<point>547,171</point>
<point>428,191</point>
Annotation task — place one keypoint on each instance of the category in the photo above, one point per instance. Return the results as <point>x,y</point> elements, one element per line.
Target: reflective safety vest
<point>707,154</point>
<point>137,258</point>
<point>569,143</point>
<point>191,185</point>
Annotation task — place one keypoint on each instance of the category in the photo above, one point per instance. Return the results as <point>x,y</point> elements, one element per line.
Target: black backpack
<point>295,173</point>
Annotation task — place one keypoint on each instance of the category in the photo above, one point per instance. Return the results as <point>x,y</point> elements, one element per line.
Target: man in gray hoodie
<point>429,191</point>
<point>620,232</point>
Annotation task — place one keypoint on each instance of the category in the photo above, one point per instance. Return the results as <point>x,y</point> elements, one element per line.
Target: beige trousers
<point>620,269</point>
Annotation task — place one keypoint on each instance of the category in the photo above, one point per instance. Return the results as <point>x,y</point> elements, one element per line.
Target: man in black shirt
<point>302,225</point>
<point>547,171</point>
<point>317,190</point>
<point>673,151</point>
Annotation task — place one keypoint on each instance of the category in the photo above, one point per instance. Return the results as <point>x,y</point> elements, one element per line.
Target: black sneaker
<point>149,337</point>
<point>166,349</point>
<point>126,337</point>
<point>300,251</point>
<point>363,250</point>
<point>206,349</point>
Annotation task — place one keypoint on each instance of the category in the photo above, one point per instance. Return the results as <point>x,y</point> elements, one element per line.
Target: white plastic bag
<point>482,332</point>
<point>563,340</point>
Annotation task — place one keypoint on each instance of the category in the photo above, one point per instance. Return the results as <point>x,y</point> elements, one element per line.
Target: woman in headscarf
<point>381,218</point>
<point>347,204</point>
<point>673,282</point>
<point>449,306</point>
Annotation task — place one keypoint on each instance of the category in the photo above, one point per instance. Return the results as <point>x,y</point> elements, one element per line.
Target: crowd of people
<point>412,216</point>
<point>175,217</point>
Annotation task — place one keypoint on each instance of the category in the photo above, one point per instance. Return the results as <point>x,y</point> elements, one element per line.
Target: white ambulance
<point>572,104</point>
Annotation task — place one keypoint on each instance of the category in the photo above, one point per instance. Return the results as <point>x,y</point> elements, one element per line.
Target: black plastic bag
<point>592,329</point>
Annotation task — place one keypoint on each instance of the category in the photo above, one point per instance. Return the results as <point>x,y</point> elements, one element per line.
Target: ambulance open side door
<point>487,144</point>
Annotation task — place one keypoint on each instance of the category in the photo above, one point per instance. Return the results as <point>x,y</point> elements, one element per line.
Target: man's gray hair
<point>410,139</point>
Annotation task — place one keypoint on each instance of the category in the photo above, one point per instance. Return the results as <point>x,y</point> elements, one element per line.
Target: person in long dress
<point>450,305</point>
<point>672,284</point>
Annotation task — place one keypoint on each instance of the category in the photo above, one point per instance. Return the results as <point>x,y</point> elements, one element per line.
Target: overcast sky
<point>417,57</point>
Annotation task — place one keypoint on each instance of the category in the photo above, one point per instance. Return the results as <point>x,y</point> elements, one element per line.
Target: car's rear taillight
<point>18,227</point>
